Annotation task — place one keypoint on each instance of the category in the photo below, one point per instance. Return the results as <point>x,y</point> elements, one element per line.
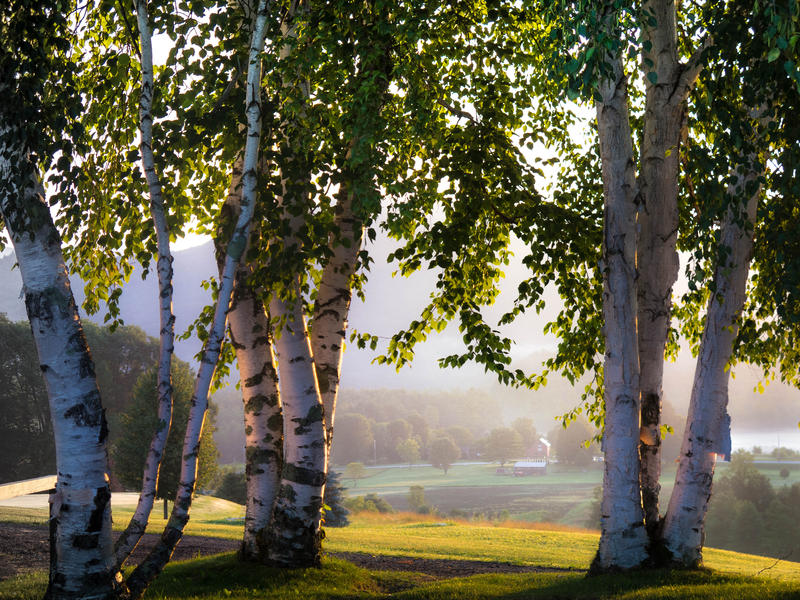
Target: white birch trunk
<point>249,328</point>
<point>82,558</point>
<point>657,256</point>
<point>138,523</point>
<point>296,535</point>
<point>295,538</point>
<point>155,561</point>
<point>708,423</point>
<point>263,420</point>
<point>332,306</point>
<point>623,540</point>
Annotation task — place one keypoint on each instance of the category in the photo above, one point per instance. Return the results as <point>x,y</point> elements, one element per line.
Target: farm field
<point>564,495</point>
<point>729,575</point>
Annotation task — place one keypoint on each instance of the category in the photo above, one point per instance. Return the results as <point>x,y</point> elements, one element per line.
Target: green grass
<point>731,575</point>
<point>209,516</point>
<point>222,577</point>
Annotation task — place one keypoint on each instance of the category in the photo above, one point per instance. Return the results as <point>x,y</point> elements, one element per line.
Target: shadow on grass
<point>224,577</point>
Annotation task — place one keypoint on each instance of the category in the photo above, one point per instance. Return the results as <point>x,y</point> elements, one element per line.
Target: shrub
<point>368,503</point>
<point>233,487</point>
<point>336,512</point>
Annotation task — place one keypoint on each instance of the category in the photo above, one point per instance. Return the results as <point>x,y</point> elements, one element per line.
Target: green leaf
<point>653,77</point>
<point>773,55</point>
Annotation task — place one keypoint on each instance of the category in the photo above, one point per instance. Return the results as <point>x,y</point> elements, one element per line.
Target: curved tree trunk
<point>138,523</point>
<point>160,555</point>
<point>82,559</point>
<point>623,541</point>
<point>708,424</point>
<point>656,253</point>
<point>329,323</point>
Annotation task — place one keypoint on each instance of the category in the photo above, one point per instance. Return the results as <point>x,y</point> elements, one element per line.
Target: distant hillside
<point>392,302</point>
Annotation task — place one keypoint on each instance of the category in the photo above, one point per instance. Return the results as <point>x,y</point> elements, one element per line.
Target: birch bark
<point>249,328</point>
<point>138,523</point>
<point>82,559</point>
<point>263,417</point>
<point>159,556</point>
<point>329,325</point>
<point>708,423</point>
<point>623,541</point>
<point>656,253</point>
<point>295,538</point>
<point>296,535</point>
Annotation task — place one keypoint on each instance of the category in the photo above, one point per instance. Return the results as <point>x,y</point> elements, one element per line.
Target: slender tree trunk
<point>138,523</point>
<point>667,86</point>
<point>329,325</point>
<point>623,540</point>
<point>159,556</point>
<point>708,423</point>
<point>82,559</point>
<point>295,538</point>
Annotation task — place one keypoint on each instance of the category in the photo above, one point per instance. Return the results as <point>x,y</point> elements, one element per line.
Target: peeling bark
<point>82,559</point>
<point>708,423</point>
<point>623,540</point>
<point>138,523</point>
<point>159,556</point>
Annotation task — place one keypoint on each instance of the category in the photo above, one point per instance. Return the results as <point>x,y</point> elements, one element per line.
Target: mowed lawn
<point>731,575</point>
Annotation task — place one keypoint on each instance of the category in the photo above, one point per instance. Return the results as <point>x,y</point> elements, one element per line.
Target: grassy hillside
<point>729,575</point>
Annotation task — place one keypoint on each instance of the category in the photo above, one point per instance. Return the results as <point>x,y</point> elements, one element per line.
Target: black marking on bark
<point>82,414</point>
<point>102,497</point>
<point>275,422</point>
<point>303,476</point>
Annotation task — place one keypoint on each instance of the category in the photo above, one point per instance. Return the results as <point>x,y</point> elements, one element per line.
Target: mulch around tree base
<point>26,548</point>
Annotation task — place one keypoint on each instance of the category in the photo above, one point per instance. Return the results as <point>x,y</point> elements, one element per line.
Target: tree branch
<point>690,71</point>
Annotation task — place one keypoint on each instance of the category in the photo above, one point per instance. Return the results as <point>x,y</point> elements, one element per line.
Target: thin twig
<point>782,558</point>
<point>134,41</point>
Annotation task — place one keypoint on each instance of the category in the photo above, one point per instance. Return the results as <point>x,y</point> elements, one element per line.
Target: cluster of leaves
<point>41,96</point>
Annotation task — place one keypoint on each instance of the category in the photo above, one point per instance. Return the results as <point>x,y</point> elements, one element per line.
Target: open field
<point>564,495</point>
<point>732,575</point>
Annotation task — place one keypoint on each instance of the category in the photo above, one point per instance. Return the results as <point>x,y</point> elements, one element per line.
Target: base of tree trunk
<point>293,544</point>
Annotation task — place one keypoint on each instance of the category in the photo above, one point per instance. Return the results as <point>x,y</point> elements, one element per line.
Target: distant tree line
<point>748,514</point>
<point>124,363</point>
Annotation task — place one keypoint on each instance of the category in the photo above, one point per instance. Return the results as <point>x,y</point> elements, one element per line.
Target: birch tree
<point>668,82</point>
<point>158,557</point>
<point>708,423</point>
<point>82,562</point>
<point>622,540</point>
<point>136,527</point>
<point>34,64</point>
